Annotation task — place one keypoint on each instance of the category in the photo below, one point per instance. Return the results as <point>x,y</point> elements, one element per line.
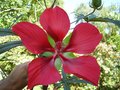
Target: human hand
<point>17,78</point>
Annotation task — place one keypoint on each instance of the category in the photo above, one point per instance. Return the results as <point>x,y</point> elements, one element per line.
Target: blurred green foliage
<point>107,52</point>
<point>11,12</point>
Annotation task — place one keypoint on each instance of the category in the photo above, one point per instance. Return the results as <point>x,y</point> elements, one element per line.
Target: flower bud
<point>96,4</point>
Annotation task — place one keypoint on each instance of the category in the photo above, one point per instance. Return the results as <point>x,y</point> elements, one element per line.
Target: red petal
<point>33,37</point>
<point>42,71</point>
<point>56,22</point>
<point>84,39</point>
<point>85,67</point>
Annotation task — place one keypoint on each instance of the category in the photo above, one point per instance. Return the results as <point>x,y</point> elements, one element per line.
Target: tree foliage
<point>11,12</point>
<point>108,52</point>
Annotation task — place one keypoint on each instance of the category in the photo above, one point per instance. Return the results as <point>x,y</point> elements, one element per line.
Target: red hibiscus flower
<point>55,22</point>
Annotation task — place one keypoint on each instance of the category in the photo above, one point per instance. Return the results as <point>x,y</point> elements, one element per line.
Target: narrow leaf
<point>9,45</point>
<point>65,84</point>
<point>77,80</point>
<point>5,32</point>
<point>81,16</point>
<point>100,19</point>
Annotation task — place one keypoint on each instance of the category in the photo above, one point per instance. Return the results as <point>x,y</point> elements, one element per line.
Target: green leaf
<point>81,16</point>
<point>100,19</point>
<point>5,32</point>
<point>65,83</point>
<point>76,80</point>
<point>9,45</point>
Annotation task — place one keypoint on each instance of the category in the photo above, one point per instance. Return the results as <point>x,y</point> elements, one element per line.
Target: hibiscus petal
<point>84,39</point>
<point>42,71</point>
<point>85,67</point>
<point>33,37</point>
<point>56,22</point>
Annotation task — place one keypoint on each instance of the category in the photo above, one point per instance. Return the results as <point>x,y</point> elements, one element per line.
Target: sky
<point>71,5</point>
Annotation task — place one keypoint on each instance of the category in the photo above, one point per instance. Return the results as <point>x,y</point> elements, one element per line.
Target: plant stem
<point>45,3</point>
<point>85,16</point>
<point>45,87</point>
<point>53,3</point>
<point>90,13</point>
<point>65,84</point>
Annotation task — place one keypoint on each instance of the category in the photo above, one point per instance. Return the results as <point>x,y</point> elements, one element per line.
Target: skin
<point>17,79</point>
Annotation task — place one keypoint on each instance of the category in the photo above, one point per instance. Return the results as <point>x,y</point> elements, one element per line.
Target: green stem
<point>53,3</point>
<point>45,3</point>
<point>65,84</point>
<point>90,13</point>
<point>85,16</point>
<point>45,87</point>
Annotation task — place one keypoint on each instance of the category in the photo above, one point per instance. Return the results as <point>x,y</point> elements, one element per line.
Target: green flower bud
<point>96,4</point>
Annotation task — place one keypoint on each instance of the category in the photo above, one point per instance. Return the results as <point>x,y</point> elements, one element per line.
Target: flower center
<point>58,47</point>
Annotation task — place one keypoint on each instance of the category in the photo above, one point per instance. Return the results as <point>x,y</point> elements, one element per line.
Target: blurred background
<point>107,52</point>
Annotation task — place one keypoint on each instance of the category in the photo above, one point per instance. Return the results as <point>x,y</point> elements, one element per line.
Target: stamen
<point>58,47</point>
